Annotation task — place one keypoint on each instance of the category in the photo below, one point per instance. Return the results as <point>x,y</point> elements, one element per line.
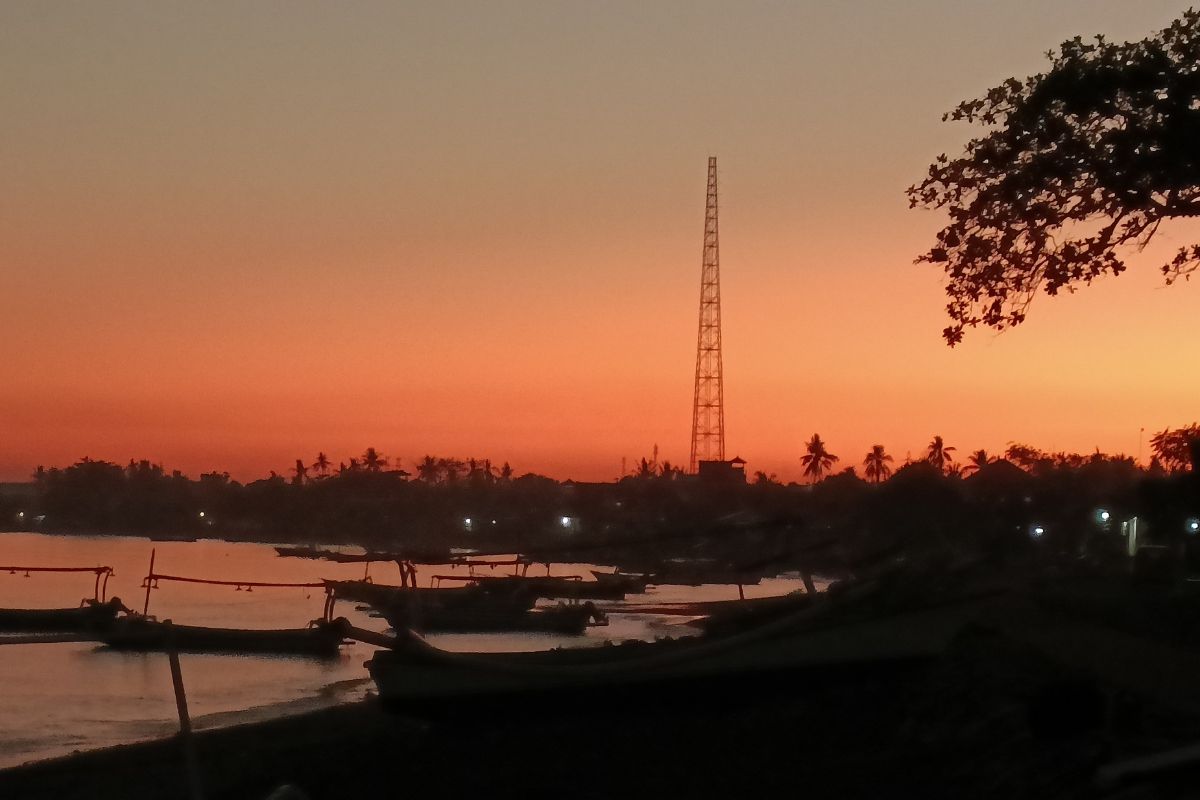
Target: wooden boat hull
<point>624,582</point>
<point>512,599</point>
<point>322,639</point>
<point>565,620</point>
<point>553,587</point>
<point>417,676</point>
<point>88,617</point>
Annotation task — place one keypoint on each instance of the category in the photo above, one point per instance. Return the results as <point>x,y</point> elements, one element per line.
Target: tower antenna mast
<point>708,403</point>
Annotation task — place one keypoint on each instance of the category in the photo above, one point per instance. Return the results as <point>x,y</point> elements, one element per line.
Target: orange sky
<point>231,236</point>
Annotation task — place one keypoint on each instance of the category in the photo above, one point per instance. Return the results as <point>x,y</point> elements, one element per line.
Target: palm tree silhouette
<point>876,464</point>
<point>321,465</point>
<point>450,468</point>
<point>977,461</point>
<point>373,460</point>
<point>817,461</point>
<point>428,469</point>
<point>301,472</point>
<point>939,454</point>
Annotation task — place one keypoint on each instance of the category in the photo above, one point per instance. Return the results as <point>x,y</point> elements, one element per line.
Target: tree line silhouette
<point>1171,452</point>
<point>835,519</point>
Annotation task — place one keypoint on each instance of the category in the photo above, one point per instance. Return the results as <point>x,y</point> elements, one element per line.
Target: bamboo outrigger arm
<point>102,573</point>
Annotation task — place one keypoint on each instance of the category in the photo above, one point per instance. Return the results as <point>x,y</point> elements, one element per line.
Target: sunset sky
<point>234,234</point>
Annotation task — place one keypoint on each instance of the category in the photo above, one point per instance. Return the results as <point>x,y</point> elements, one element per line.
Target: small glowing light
<point>1104,516</point>
<point>493,522</point>
<point>20,515</point>
<point>467,522</point>
<point>1037,531</point>
<point>566,522</point>
<point>1193,525</point>
<point>201,514</point>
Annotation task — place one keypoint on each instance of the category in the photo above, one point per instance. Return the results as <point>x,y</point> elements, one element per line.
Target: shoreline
<point>950,728</point>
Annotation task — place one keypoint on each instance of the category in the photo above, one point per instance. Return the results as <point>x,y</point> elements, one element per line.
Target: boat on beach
<point>549,587</point>
<point>321,638</point>
<point>475,608</point>
<point>91,615</point>
<point>698,572</point>
<point>565,619</point>
<point>417,675</point>
<point>460,598</point>
<point>625,582</point>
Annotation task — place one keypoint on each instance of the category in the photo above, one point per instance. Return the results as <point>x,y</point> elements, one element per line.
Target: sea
<point>61,698</point>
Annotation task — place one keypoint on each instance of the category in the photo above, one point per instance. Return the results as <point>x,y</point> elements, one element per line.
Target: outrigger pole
<point>99,592</point>
<point>152,578</point>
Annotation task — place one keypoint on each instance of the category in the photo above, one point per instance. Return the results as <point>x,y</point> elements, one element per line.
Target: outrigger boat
<point>92,615</point>
<point>474,597</point>
<point>89,615</point>
<point>551,587</point>
<point>626,582</point>
<point>478,608</point>
<point>867,628</point>
<point>414,675</point>
<point>569,620</point>
<point>143,632</point>
<point>697,572</point>
<point>322,638</point>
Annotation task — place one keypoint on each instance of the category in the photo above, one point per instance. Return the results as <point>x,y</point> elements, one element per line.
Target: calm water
<point>58,698</point>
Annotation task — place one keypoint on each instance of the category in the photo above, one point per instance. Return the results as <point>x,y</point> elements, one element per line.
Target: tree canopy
<point>1079,166</point>
<point>1173,446</point>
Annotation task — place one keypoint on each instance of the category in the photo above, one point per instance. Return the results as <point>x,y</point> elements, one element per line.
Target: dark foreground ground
<point>1015,709</point>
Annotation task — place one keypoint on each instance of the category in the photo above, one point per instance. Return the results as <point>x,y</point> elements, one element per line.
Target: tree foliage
<point>1173,446</point>
<point>876,464</point>
<point>939,454</point>
<point>817,460</point>
<point>1079,166</point>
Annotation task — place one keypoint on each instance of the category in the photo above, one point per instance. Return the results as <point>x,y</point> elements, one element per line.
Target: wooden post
<point>191,764</point>
<point>149,583</point>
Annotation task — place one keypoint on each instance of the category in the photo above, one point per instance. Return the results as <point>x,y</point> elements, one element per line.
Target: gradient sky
<point>232,234</point>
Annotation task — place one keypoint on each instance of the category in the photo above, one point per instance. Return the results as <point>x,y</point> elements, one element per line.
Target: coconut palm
<point>321,465</point>
<point>429,469</point>
<point>876,464</point>
<point>450,468</point>
<point>373,460</point>
<point>939,454</point>
<point>817,461</point>
<point>977,461</point>
<point>301,472</point>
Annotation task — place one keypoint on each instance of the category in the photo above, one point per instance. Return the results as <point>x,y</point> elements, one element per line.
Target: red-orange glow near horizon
<point>230,246</point>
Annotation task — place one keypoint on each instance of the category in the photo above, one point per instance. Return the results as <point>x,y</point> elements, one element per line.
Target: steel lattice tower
<point>708,405</point>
